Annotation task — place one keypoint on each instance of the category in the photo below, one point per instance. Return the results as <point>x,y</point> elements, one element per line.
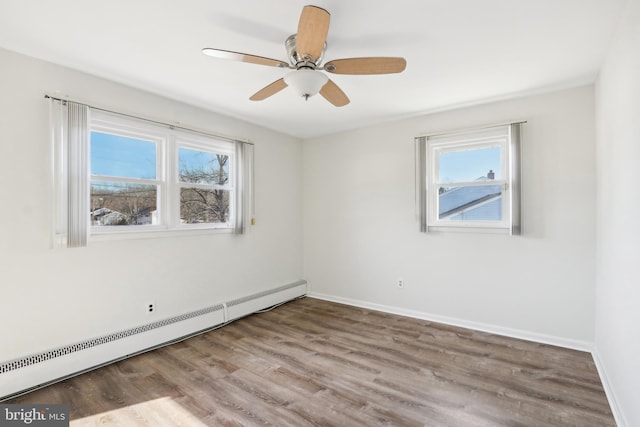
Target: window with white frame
<point>204,183</point>
<point>126,177</point>
<point>470,181</point>
<point>143,176</point>
<point>146,176</point>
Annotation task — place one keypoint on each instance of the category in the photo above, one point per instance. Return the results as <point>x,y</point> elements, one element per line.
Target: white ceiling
<point>458,52</point>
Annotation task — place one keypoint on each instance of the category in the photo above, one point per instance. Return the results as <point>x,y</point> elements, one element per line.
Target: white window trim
<point>168,142</point>
<point>196,142</point>
<point>112,124</point>
<point>507,136</point>
<point>435,148</point>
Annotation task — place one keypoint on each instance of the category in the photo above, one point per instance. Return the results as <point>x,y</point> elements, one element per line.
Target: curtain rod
<point>471,129</point>
<point>157,122</point>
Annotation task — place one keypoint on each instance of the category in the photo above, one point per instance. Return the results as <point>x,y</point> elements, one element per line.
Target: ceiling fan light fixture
<point>306,50</point>
<point>306,82</point>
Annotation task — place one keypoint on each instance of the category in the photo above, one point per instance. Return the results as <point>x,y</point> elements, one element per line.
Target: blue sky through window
<point>124,157</point>
<point>201,161</point>
<point>469,165</point>
<point>114,155</point>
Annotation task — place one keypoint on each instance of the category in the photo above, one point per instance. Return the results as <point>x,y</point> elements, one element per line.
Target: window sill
<point>107,236</point>
<point>467,229</point>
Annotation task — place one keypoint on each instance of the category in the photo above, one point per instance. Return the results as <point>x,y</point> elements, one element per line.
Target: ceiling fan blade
<point>313,28</point>
<point>332,93</point>
<point>269,90</point>
<point>373,65</point>
<point>244,57</point>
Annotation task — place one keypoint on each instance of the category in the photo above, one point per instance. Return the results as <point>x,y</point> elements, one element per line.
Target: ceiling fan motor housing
<point>298,61</point>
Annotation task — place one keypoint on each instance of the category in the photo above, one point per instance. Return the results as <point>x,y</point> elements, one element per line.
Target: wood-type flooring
<point>316,363</point>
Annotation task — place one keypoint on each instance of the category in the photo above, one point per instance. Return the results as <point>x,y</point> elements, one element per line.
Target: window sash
<point>208,145</point>
<point>469,141</point>
<point>439,219</point>
<point>436,149</point>
<point>167,167</point>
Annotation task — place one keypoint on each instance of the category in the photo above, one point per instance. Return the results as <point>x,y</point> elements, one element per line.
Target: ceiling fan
<point>305,50</point>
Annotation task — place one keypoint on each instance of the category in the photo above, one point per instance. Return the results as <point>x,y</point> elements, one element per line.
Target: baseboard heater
<point>31,372</point>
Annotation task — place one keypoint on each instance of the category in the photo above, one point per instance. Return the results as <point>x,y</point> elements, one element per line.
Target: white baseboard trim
<point>484,327</point>
<point>35,371</point>
<point>618,415</point>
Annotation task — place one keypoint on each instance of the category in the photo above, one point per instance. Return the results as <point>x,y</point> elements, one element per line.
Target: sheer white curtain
<point>244,209</point>
<point>70,159</point>
<point>515,141</point>
<point>421,182</point>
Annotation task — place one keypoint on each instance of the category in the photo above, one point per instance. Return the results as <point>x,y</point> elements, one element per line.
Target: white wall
<point>50,298</point>
<point>361,232</point>
<point>617,333</point>
<point>359,224</point>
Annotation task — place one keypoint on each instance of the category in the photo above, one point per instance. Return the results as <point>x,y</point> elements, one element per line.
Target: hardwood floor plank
<point>317,363</point>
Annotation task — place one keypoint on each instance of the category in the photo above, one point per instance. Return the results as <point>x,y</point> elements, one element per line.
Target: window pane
<point>203,167</point>
<point>114,155</point>
<point>479,164</point>
<point>118,203</point>
<point>200,206</point>
<point>470,203</point>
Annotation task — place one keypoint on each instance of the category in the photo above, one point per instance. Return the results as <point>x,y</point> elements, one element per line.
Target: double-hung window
<point>143,176</point>
<point>127,178</point>
<point>470,180</point>
<point>204,184</point>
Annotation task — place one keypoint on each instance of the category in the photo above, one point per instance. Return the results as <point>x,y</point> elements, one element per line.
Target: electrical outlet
<point>151,307</point>
<point>400,283</point>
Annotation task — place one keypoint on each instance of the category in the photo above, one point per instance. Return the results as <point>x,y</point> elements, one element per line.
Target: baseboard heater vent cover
<point>44,356</point>
<point>62,351</point>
